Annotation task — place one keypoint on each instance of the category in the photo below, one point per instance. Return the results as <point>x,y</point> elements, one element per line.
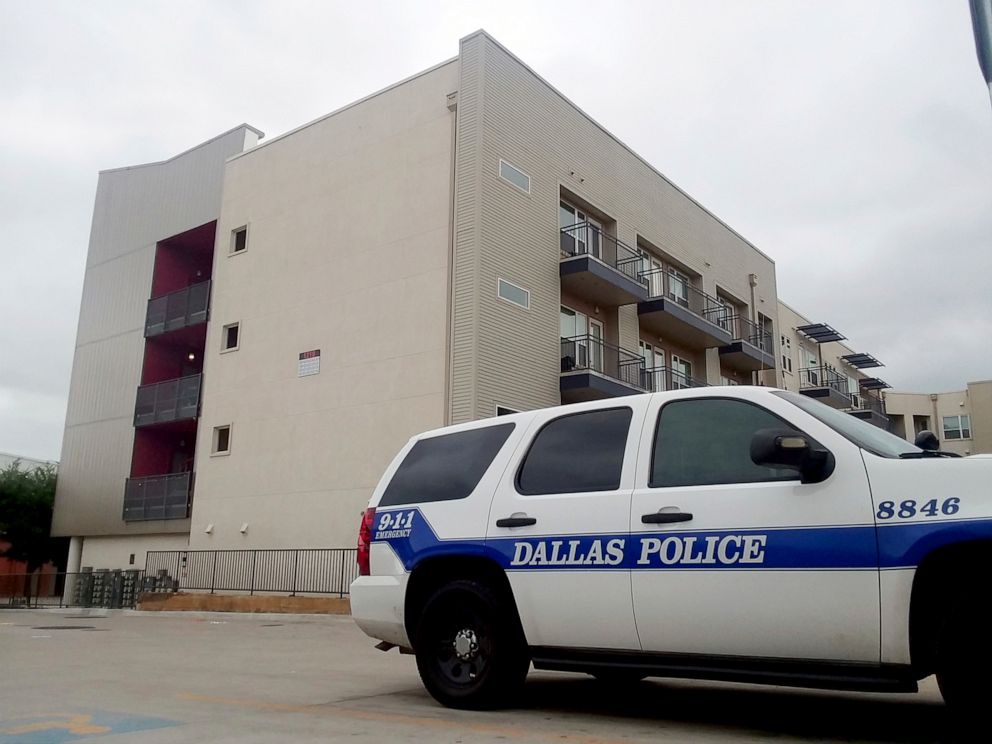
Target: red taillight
<point>365,541</point>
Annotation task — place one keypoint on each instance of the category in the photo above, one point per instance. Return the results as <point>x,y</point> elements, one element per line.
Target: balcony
<point>752,348</point>
<point>657,379</point>
<point>172,400</point>
<point>183,308</point>
<point>592,369</point>
<point>869,406</point>
<point>599,268</point>
<point>826,385</point>
<point>678,311</point>
<point>157,497</point>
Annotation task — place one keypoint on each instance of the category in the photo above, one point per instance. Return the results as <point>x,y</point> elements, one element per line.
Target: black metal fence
<point>110,589</point>
<point>292,571</point>
<point>747,330</point>
<point>671,284</point>
<point>657,379</point>
<point>817,377</point>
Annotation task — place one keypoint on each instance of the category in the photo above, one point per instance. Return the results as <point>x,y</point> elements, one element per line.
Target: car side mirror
<point>927,440</point>
<point>792,449</point>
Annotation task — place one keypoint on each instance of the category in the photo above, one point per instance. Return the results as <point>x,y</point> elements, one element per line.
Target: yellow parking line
<point>512,732</point>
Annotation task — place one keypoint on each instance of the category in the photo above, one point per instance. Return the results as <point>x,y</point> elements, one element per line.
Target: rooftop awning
<point>821,333</point>
<point>873,383</point>
<point>862,361</point>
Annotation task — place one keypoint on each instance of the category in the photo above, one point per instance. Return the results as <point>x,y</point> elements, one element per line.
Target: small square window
<point>222,440</point>
<point>515,176</point>
<point>230,337</point>
<point>512,293</point>
<point>239,239</point>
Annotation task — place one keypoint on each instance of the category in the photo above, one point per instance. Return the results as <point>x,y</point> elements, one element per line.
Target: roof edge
<point>608,133</point>
<point>344,108</point>
<point>241,126</point>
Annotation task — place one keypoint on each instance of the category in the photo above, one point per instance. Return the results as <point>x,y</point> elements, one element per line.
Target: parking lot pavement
<point>117,676</point>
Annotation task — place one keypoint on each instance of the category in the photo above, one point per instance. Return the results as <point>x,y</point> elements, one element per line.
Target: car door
<point>737,559</point>
<point>559,523</point>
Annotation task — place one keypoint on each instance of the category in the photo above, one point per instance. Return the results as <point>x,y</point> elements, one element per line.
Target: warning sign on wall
<point>309,363</point>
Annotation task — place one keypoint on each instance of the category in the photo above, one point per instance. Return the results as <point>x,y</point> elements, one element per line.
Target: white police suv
<point>739,533</point>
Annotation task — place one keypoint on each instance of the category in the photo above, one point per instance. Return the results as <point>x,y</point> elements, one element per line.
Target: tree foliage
<point>26,500</point>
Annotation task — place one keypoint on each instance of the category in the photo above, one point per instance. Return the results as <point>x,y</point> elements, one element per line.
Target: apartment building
<point>962,419</point>
<point>464,243</point>
<point>815,361</point>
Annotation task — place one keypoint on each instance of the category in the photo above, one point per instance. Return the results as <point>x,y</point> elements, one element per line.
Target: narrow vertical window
<point>230,337</point>
<point>239,239</point>
<point>222,440</point>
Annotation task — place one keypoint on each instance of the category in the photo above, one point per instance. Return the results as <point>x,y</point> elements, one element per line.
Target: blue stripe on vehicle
<point>832,547</point>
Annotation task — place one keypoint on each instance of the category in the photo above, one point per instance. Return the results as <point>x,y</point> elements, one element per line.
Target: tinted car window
<point>446,467</point>
<point>577,453</point>
<point>708,441</point>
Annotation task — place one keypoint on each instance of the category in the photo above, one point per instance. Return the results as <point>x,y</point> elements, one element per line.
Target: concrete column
<point>72,566</point>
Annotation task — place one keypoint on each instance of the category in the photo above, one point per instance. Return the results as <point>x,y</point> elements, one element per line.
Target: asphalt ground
<point>125,676</point>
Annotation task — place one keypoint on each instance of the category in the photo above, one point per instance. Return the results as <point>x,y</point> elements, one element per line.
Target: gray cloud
<point>850,141</point>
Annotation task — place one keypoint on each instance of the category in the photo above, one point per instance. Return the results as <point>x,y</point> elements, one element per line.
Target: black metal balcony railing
<point>823,377</point>
<point>868,401</point>
<point>171,400</point>
<point>184,307</point>
<point>585,239</point>
<point>592,354</point>
<point>157,497</point>
<point>662,283</point>
<point>657,379</point>
<point>743,329</point>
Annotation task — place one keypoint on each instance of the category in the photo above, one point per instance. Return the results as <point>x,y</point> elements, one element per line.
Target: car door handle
<point>515,522</point>
<point>666,517</point>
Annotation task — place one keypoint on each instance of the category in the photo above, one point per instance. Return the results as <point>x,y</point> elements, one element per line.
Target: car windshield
<point>866,436</point>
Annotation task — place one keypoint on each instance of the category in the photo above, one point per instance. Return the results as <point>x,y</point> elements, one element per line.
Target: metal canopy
<point>873,383</point>
<point>821,333</point>
<point>862,361</point>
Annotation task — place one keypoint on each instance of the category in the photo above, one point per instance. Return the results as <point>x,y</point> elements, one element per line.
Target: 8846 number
<point>908,509</point>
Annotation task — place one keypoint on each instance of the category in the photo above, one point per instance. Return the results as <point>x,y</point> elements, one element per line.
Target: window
<point>222,440</point>
<point>446,467</point>
<point>957,427</point>
<point>681,373</point>
<point>724,380</point>
<point>580,234</point>
<point>230,337</point>
<point>239,239</point>
<point>515,176</point>
<point>512,293</point>
<point>707,441</point>
<point>786,353</point>
<point>578,453</point>
<point>678,287</point>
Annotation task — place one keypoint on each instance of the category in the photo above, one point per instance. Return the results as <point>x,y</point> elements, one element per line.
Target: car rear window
<point>446,467</point>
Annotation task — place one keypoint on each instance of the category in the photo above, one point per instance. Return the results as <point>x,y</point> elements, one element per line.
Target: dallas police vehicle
<point>739,533</point>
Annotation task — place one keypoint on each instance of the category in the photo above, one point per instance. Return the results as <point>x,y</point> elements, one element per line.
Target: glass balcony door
<point>586,338</point>
<point>681,373</point>
<point>584,239</point>
<point>654,367</point>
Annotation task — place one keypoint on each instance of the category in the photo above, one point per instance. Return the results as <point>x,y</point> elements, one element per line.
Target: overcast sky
<point>851,141</point>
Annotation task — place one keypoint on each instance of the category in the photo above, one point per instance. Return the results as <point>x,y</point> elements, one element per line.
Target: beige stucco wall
<point>975,402</point>
<point>505,110</point>
<point>115,551</point>
<point>348,241</point>
<point>134,209</point>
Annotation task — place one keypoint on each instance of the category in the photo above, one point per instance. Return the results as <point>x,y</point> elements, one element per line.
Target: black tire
<point>470,649</point>
<point>964,657</point>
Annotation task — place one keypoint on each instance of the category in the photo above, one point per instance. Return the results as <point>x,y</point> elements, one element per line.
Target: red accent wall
<point>184,259</point>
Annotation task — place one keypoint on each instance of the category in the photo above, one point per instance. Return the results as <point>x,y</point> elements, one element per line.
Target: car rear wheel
<point>470,650</point>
